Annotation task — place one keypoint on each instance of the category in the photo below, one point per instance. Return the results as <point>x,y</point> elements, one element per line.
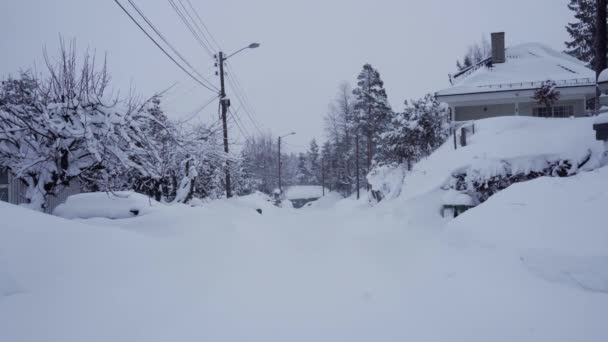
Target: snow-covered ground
<point>529,264</point>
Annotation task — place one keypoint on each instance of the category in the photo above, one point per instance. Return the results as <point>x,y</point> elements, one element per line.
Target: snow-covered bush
<point>547,95</point>
<point>487,177</point>
<point>65,126</point>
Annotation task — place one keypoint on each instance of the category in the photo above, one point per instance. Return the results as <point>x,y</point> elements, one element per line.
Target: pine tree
<point>303,175</point>
<point>582,31</point>
<point>414,133</point>
<point>372,110</point>
<point>313,163</point>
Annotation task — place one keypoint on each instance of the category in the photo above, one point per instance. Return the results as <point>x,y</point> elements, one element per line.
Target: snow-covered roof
<point>303,192</point>
<point>526,67</point>
<point>603,77</point>
<point>602,119</point>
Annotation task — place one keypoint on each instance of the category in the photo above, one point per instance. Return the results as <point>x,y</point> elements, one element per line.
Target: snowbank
<point>453,197</point>
<point>557,226</point>
<point>117,205</point>
<point>526,139</point>
<point>388,180</point>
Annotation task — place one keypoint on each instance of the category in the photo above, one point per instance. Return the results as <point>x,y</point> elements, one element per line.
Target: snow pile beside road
<point>388,180</point>
<point>556,226</point>
<point>505,138</point>
<point>559,214</point>
<point>116,205</point>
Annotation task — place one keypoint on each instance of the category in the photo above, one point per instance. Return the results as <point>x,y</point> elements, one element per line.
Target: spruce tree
<point>582,31</point>
<point>303,176</point>
<point>372,110</point>
<point>313,163</point>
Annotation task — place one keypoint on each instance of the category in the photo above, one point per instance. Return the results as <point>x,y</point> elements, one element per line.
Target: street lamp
<point>280,138</point>
<point>250,46</point>
<point>225,103</point>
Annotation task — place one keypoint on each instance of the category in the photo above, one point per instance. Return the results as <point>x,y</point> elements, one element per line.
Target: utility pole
<point>357,161</point>
<point>323,176</point>
<point>280,190</point>
<point>280,139</point>
<point>225,104</point>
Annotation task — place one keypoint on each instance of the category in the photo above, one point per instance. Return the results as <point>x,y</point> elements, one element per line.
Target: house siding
<point>467,113</point>
<point>17,191</point>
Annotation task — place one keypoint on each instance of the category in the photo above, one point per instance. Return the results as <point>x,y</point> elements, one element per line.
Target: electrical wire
<point>162,37</point>
<point>161,48</point>
<point>242,98</point>
<point>217,45</point>
<point>183,18</point>
<point>202,33</point>
<point>199,110</point>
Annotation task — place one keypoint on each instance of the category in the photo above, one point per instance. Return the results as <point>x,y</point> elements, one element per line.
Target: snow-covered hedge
<point>484,178</point>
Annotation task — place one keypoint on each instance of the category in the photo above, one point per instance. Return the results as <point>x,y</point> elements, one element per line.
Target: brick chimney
<point>498,47</point>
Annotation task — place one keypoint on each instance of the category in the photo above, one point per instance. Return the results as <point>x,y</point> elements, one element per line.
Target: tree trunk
<point>601,38</point>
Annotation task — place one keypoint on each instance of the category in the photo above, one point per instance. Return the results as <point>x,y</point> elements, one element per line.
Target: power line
<point>239,124</point>
<point>198,27</point>
<point>162,37</point>
<point>217,45</point>
<point>200,109</point>
<point>183,18</point>
<point>161,48</point>
<point>244,104</point>
<point>242,97</point>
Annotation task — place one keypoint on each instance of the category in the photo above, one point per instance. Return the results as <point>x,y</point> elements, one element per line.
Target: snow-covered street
<point>336,271</point>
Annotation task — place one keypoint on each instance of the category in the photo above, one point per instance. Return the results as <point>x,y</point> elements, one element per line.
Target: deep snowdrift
<point>513,138</point>
<point>526,265</point>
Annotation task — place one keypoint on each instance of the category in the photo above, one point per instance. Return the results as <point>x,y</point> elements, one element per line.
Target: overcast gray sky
<point>308,47</point>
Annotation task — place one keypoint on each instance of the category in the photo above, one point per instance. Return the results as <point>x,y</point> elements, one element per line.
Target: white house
<point>12,190</point>
<point>504,84</point>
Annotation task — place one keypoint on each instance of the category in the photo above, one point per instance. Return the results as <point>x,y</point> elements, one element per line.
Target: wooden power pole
<point>357,162</point>
<point>281,190</point>
<point>225,104</point>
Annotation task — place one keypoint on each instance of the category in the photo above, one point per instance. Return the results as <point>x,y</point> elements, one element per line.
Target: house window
<point>563,111</point>
<point>3,184</point>
<point>542,112</point>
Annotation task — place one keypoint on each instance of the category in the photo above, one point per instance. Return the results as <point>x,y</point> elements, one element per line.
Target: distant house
<point>12,190</point>
<point>300,195</point>
<point>504,84</point>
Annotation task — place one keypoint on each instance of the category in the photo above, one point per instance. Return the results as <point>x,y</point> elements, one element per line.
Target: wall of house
<point>579,107</point>
<point>17,190</point>
<point>467,113</point>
